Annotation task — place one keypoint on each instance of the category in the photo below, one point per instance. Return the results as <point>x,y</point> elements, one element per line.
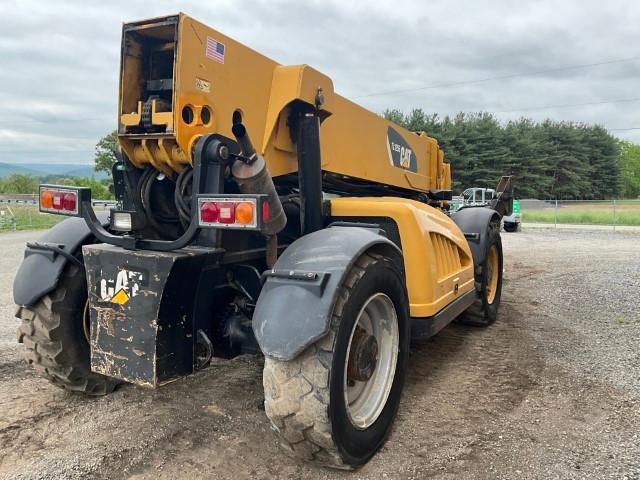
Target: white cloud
<point>60,60</point>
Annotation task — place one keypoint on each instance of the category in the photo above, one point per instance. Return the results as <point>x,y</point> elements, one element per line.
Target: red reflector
<point>226,212</point>
<point>58,200</point>
<point>70,201</point>
<point>265,211</point>
<point>209,212</point>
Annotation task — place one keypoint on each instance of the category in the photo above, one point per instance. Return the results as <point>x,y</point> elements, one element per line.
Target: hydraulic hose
<point>145,185</point>
<point>182,196</point>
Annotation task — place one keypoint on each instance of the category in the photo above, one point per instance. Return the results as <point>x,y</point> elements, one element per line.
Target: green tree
<point>395,115</point>
<point>603,154</point>
<point>527,160</point>
<point>105,155</point>
<point>549,159</point>
<point>99,190</point>
<point>630,168</point>
<point>19,183</point>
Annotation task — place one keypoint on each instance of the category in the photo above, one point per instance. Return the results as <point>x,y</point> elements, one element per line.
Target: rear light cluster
<point>239,212</point>
<point>61,200</point>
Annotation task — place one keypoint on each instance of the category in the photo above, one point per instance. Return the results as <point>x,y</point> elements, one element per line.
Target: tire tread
<point>47,349</point>
<point>301,415</point>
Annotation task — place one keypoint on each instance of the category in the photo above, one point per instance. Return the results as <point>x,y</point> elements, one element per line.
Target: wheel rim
<point>493,273</point>
<point>372,353</point>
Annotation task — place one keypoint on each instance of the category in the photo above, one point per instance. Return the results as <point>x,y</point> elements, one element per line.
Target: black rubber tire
<point>510,227</point>
<point>482,313</point>
<point>52,333</point>
<point>304,397</point>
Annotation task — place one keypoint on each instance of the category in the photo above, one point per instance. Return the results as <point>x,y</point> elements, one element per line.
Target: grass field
<point>25,218</point>
<point>586,213</point>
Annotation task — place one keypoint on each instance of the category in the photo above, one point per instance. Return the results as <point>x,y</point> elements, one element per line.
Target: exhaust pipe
<point>240,132</point>
<point>252,177</point>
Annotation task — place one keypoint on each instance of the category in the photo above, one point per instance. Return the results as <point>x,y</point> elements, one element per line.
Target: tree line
<point>22,183</point>
<point>104,158</point>
<point>549,159</point>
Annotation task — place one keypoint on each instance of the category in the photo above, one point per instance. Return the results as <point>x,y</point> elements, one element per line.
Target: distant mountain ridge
<point>46,169</point>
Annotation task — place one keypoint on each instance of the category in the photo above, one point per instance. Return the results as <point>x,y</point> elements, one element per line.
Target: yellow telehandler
<point>258,212</point>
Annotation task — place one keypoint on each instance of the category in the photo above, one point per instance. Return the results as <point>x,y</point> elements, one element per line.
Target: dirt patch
<point>549,391</point>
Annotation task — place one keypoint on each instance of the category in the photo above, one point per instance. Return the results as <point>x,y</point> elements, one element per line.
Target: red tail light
<point>209,212</point>
<point>58,200</point>
<point>226,212</point>
<point>63,200</point>
<point>70,201</point>
<point>233,211</point>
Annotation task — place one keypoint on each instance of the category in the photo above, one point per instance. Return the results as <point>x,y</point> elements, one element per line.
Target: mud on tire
<point>304,398</point>
<point>52,333</point>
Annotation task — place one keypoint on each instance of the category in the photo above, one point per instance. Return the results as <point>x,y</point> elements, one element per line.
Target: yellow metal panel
<point>242,82</point>
<point>296,82</point>
<point>436,254</point>
<point>354,141</point>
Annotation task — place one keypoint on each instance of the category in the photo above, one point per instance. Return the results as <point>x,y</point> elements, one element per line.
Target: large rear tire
<point>53,333</point>
<point>488,282</point>
<point>335,403</point>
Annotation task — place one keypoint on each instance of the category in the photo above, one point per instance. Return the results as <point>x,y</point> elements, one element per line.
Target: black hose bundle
<point>182,195</point>
<point>154,216</point>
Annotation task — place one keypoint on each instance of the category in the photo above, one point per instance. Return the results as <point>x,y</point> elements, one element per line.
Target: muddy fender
<point>41,268</point>
<point>296,302</point>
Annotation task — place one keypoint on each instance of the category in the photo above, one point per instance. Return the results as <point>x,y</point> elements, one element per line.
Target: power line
<point>569,105</point>
<point>500,77</point>
<point>622,129</point>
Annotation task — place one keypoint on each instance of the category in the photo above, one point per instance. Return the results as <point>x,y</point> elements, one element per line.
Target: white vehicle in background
<point>478,197</point>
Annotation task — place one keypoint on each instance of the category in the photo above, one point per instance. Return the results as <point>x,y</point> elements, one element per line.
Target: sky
<point>59,60</point>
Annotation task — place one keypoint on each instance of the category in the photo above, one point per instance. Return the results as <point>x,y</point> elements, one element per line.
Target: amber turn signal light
<point>244,213</point>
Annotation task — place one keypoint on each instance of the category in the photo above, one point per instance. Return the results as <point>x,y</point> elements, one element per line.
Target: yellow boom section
<point>181,79</point>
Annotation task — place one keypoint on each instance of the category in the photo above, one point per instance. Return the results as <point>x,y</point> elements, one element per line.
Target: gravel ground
<point>552,390</point>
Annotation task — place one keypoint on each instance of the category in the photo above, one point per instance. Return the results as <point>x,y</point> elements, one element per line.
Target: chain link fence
<point>623,215</point>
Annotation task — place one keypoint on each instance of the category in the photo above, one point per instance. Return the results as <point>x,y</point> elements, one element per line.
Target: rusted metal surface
<point>141,312</point>
<point>363,356</point>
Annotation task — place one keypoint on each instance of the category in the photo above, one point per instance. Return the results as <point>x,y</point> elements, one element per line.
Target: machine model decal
<point>400,153</point>
<point>122,286</point>
<point>215,50</point>
<point>203,85</point>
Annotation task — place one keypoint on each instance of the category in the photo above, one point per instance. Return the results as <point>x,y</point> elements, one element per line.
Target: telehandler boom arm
<point>181,79</point>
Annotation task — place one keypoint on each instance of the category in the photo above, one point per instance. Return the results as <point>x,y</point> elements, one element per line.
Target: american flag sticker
<point>215,50</point>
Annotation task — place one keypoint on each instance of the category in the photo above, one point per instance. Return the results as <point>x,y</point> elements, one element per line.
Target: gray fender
<point>296,302</point>
<point>40,270</point>
<point>474,223</point>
